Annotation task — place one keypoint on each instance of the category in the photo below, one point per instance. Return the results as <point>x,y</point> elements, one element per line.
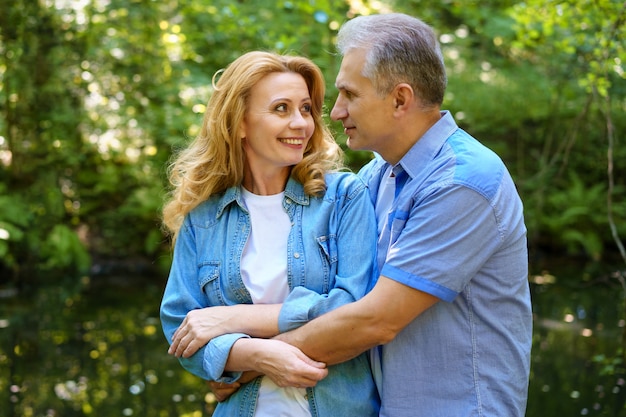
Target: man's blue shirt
<point>456,231</point>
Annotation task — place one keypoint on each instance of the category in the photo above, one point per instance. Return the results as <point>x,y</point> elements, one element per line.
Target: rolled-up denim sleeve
<point>209,361</point>
<point>183,294</point>
<point>354,224</point>
<point>215,357</point>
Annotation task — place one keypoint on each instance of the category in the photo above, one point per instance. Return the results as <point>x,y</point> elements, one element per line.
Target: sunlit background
<point>96,94</point>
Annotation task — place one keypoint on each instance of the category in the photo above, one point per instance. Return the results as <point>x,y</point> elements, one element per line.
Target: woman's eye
<point>281,107</point>
<point>307,108</point>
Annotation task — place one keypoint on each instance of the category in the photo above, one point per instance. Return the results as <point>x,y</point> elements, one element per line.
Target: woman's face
<point>278,123</point>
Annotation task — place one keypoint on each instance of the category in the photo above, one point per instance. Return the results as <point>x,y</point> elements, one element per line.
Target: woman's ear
<point>241,132</point>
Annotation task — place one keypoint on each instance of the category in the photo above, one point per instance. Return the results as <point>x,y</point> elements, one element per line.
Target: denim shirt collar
<point>293,191</point>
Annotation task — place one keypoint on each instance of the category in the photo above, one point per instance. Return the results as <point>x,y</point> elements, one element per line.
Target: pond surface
<point>100,351</point>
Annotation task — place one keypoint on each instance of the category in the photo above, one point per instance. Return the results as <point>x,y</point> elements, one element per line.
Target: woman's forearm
<point>256,320</point>
<point>203,324</point>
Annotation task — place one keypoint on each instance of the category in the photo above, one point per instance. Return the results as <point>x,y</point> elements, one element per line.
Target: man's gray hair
<point>400,49</point>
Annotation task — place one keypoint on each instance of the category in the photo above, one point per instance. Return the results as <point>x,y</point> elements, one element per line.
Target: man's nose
<point>339,110</point>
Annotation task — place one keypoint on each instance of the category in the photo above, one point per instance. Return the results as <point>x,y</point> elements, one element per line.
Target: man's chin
<point>353,144</point>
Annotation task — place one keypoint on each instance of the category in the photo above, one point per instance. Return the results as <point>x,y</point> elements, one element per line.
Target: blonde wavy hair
<point>214,160</point>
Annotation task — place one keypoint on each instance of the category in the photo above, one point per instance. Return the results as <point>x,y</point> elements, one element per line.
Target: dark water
<point>100,351</point>
<point>578,346</point>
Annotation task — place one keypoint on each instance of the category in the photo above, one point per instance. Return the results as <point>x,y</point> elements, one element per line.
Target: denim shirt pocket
<point>328,256</point>
<point>209,282</point>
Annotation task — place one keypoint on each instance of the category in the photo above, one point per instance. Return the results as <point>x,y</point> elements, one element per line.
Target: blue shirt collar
<point>425,149</point>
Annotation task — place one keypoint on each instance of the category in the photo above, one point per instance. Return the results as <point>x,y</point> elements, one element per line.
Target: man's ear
<point>403,96</point>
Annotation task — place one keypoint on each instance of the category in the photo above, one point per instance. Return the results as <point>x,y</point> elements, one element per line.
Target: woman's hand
<point>202,325</point>
<point>198,327</point>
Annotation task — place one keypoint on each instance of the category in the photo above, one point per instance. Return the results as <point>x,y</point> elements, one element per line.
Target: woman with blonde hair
<point>262,217</point>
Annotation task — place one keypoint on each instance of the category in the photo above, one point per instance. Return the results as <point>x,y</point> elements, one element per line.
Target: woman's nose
<point>297,120</point>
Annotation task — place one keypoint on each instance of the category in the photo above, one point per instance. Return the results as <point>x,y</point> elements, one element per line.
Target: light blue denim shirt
<point>456,231</point>
<point>331,252</point>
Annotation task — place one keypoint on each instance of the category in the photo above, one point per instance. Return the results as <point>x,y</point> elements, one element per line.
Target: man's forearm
<point>337,336</point>
<point>240,358</point>
<point>351,329</point>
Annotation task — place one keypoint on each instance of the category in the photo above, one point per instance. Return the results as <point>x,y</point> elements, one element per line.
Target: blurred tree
<point>41,107</point>
<point>529,79</point>
<point>579,46</point>
<point>95,95</point>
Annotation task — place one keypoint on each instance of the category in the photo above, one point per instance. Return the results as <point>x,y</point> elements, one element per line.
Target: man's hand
<point>287,366</point>
<point>284,364</point>
<point>222,390</point>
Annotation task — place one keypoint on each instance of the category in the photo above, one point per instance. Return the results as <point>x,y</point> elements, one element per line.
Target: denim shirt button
<point>296,255</point>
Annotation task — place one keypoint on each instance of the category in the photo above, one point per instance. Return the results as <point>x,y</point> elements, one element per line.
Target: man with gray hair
<point>451,309</point>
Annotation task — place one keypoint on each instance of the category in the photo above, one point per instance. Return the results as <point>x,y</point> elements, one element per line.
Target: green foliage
<point>13,224</point>
<point>579,45</point>
<point>570,215</point>
<point>63,249</point>
<point>584,39</point>
<point>94,96</point>
<point>612,365</point>
<point>541,84</point>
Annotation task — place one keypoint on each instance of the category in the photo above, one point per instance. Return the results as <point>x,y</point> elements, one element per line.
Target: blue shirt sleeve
<point>448,235</point>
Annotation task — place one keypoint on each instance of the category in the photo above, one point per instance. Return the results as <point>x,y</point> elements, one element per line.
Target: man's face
<point>366,116</point>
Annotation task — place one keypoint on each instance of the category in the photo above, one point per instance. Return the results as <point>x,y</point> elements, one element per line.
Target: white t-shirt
<point>264,273</point>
